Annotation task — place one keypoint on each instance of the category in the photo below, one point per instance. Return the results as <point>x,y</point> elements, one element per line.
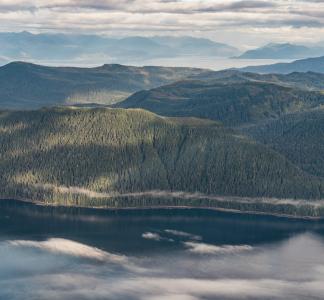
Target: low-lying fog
<point>173,254</point>
<point>205,62</point>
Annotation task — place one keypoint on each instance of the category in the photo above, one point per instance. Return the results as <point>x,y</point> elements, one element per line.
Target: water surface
<point>206,62</point>
<point>72,253</point>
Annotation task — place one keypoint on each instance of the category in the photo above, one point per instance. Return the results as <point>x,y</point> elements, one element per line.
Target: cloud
<point>151,236</point>
<point>275,271</point>
<point>73,286</point>
<point>183,234</point>
<point>226,21</point>
<point>202,248</point>
<point>297,203</point>
<point>155,237</point>
<point>237,6</point>
<point>71,248</point>
<point>139,6</point>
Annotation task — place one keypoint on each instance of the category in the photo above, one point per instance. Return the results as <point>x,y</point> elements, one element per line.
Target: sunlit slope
<point>30,86</point>
<point>124,151</point>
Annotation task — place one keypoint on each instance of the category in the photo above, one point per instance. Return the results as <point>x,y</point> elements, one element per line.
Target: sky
<point>242,23</point>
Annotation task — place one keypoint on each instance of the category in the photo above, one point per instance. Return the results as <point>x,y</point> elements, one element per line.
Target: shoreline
<point>167,207</point>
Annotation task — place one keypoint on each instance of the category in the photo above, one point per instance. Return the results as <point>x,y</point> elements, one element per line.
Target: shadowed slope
<point>233,103</point>
<point>124,151</point>
<point>300,137</point>
<point>28,86</point>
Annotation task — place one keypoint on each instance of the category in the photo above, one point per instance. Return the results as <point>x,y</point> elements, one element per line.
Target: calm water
<point>207,62</point>
<point>61,253</point>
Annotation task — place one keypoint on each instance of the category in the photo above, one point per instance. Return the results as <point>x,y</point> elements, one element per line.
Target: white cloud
<point>202,248</point>
<point>228,21</point>
<point>183,234</point>
<point>276,271</point>
<point>71,248</point>
<point>151,236</point>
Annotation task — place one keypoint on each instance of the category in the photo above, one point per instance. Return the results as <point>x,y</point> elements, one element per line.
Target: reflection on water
<point>66,253</point>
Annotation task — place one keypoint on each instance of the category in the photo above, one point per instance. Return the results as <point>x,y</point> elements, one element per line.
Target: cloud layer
<point>233,21</point>
<point>280,271</point>
<point>202,248</point>
<point>71,248</point>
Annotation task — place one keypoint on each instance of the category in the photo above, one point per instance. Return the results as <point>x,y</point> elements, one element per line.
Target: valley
<point>119,136</point>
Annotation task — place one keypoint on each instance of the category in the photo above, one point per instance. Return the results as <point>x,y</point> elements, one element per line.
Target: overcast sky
<point>240,23</point>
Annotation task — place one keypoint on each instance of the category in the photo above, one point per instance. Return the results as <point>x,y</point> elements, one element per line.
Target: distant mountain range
<point>283,51</point>
<point>93,49</point>
<point>170,91</point>
<point>234,102</point>
<point>196,46</point>
<point>315,64</point>
<point>300,80</point>
<point>29,86</point>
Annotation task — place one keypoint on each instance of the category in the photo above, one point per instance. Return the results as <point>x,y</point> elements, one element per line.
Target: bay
<point>75,253</point>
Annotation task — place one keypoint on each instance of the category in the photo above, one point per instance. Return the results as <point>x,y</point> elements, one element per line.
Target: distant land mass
<point>282,51</point>
<point>236,100</point>
<point>118,158</point>
<point>186,45</point>
<point>230,96</point>
<point>28,86</point>
<point>315,64</point>
<point>123,136</point>
<point>95,49</point>
<point>301,80</point>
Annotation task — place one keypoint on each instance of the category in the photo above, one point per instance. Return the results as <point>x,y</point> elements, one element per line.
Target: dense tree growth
<point>29,86</point>
<point>299,137</point>
<point>125,151</point>
<point>235,103</point>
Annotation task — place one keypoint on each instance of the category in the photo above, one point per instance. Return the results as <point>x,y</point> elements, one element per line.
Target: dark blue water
<point>177,254</point>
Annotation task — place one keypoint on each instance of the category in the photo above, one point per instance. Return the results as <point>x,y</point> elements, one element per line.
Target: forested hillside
<point>123,151</point>
<point>308,80</point>
<point>299,80</point>
<point>29,86</point>
<point>300,137</point>
<point>233,103</point>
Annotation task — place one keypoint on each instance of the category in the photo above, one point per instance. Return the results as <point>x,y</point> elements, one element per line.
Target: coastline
<point>167,207</point>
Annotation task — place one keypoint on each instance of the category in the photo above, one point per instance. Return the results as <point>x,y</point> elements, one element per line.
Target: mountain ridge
<point>128,151</point>
<point>315,64</point>
<point>95,49</point>
<point>235,103</point>
<point>282,51</point>
<point>47,86</point>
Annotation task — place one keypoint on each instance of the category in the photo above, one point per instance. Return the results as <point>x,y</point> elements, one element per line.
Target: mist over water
<point>205,62</point>
<point>73,253</point>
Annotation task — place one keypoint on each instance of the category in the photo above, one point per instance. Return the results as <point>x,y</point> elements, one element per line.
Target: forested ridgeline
<point>233,101</point>
<point>219,95</point>
<point>301,80</point>
<point>29,86</point>
<point>125,151</point>
<point>299,137</point>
